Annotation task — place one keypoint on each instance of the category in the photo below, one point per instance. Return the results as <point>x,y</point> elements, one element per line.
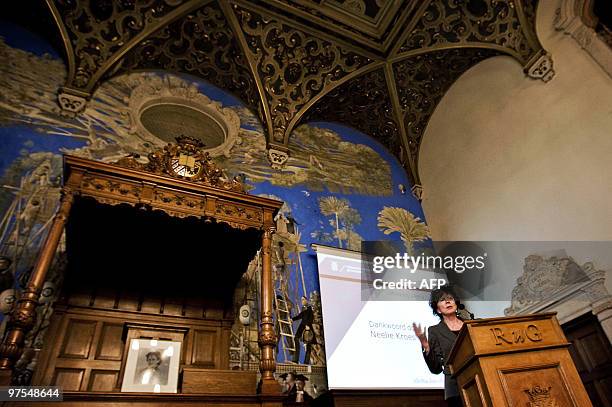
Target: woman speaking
<point>436,349</point>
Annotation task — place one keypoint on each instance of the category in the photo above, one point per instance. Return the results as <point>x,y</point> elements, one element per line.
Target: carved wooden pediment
<point>180,180</point>
<point>186,159</point>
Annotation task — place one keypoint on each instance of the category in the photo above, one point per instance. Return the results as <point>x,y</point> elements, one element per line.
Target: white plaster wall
<point>506,157</point>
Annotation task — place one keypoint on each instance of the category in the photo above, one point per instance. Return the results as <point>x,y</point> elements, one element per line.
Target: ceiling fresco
<point>380,66</point>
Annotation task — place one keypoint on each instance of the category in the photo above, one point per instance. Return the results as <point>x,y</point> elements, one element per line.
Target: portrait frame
<point>152,366</point>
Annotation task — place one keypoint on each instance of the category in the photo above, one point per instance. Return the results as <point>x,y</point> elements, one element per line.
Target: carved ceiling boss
<point>378,66</point>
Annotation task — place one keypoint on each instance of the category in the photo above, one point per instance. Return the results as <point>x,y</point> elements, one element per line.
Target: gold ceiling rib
<point>201,43</point>
<point>408,162</point>
<point>292,65</point>
<point>422,81</point>
<point>365,104</point>
<point>379,67</point>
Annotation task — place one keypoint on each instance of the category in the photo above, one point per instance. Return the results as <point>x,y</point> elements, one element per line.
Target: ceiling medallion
<point>161,107</point>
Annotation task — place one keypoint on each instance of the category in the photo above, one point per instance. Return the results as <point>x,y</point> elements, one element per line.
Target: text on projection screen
<point>369,344</point>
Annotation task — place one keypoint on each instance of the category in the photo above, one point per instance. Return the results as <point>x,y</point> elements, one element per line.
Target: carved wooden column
<point>22,318</point>
<point>267,336</point>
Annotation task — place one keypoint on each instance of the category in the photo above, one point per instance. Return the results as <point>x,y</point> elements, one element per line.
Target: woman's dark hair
<point>437,295</point>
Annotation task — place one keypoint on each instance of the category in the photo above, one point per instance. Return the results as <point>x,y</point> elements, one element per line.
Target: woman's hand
<point>420,333</point>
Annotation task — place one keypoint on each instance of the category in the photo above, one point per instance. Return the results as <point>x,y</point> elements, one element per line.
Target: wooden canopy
<point>197,188</point>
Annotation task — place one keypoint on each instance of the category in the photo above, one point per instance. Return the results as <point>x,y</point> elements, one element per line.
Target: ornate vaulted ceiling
<point>380,66</point>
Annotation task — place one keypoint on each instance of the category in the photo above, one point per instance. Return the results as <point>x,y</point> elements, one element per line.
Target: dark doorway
<point>592,354</point>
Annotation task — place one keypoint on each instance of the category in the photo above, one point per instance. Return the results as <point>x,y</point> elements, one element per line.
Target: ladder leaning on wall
<point>285,325</point>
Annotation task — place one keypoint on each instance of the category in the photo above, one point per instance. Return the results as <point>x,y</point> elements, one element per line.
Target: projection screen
<point>369,345</point>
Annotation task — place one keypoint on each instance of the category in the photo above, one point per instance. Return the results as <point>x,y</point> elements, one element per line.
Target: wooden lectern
<point>516,361</point>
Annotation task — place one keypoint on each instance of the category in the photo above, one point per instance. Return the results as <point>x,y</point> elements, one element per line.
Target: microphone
<point>463,313</point>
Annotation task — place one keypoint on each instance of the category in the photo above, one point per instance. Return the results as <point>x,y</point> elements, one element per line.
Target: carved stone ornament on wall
<point>541,67</point>
<point>572,19</point>
<point>71,102</point>
<point>197,116</point>
<point>560,284</point>
<point>277,158</point>
<point>186,159</point>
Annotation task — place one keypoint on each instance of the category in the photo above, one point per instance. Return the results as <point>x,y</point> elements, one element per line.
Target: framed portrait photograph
<point>152,366</point>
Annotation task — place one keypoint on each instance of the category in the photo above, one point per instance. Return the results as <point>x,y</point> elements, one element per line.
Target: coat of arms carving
<point>186,159</point>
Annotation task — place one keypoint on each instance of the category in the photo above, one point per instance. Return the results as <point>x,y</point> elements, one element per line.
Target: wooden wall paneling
<point>80,299</point>
<point>205,344</point>
<point>103,380</point>
<point>53,352</point>
<point>194,308</point>
<point>214,313</point>
<point>145,318</point>
<point>216,350</point>
<point>91,352</point>
<point>78,338</point>
<point>105,299</point>
<point>69,379</point>
<point>46,355</point>
<point>187,348</point>
<point>198,380</point>
<point>87,350</point>
<point>173,306</point>
<point>90,368</point>
<point>128,301</point>
<point>110,346</point>
<point>151,304</point>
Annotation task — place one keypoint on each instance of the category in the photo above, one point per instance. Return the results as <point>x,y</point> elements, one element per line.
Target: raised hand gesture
<point>420,333</point>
